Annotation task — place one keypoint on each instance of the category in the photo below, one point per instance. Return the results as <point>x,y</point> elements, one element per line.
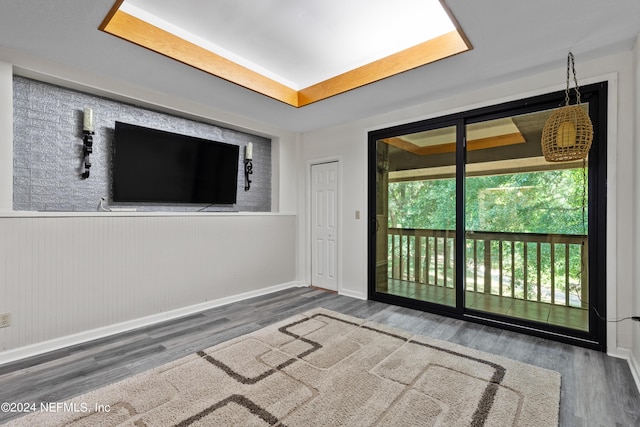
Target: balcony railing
<point>550,268</point>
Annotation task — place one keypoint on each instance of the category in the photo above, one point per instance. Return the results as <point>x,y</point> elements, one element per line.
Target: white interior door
<point>324,227</point>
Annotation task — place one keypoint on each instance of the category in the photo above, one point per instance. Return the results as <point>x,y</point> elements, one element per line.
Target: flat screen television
<point>155,166</point>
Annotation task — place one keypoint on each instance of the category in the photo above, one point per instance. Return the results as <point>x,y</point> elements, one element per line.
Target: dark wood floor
<point>597,390</point>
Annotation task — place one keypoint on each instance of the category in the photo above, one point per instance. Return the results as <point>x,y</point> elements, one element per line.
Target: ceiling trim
<point>424,53</point>
<point>497,167</point>
<point>140,32</point>
<point>472,145</point>
<point>137,31</point>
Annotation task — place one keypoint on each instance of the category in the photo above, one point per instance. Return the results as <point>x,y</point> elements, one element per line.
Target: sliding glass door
<point>469,220</point>
<point>526,224</point>
<point>416,215</point>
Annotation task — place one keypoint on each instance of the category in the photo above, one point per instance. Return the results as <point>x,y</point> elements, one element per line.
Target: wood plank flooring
<point>558,315</point>
<point>597,390</point>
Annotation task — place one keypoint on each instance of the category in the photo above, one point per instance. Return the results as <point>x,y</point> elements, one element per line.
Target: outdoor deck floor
<point>557,315</point>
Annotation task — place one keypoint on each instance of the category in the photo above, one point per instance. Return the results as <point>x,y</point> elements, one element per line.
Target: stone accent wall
<point>48,151</point>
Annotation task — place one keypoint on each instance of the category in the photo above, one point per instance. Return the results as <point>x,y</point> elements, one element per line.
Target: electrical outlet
<point>5,320</point>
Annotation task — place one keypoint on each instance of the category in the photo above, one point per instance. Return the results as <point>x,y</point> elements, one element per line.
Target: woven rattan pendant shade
<point>568,133</point>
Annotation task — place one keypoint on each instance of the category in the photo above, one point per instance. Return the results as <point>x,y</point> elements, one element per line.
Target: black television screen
<point>151,165</point>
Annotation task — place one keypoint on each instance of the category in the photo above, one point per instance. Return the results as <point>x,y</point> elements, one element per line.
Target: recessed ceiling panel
<point>296,51</point>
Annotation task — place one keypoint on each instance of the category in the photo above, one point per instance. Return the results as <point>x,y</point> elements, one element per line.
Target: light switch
<point>357,214</point>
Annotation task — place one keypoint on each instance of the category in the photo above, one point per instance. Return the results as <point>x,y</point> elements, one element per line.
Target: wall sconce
<point>248,165</point>
<point>87,130</point>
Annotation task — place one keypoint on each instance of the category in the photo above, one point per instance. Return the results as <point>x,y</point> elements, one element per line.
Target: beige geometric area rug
<point>323,368</point>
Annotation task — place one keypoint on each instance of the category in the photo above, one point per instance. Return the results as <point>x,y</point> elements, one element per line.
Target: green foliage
<point>549,202</point>
<point>423,204</point>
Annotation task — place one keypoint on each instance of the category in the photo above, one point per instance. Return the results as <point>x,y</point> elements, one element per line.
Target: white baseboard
<point>352,294</point>
<point>635,369</point>
<point>81,337</point>
<point>634,366</point>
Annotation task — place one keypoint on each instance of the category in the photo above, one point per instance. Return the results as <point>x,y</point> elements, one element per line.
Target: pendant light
<point>568,133</point>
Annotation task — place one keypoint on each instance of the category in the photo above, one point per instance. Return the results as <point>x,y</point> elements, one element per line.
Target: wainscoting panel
<point>72,274</point>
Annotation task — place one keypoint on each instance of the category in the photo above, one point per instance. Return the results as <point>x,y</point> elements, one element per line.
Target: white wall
<point>635,351</point>
<point>284,146</point>
<point>349,143</point>
<point>292,156</point>
<point>66,275</point>
<point>67,278</point>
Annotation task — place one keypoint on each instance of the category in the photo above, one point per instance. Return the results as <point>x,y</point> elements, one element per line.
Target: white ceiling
<point>302,42</point>
<point>509,39</point>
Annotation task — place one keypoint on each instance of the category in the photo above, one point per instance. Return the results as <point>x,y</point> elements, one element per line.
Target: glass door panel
<point>416,216</point>
<point>467,219</point>
<point>526,250</point>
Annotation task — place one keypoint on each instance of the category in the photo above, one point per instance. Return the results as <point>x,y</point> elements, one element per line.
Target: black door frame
<point>596,96</point>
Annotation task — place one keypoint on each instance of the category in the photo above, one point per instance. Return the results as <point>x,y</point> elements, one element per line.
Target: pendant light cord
<point>571,66</point>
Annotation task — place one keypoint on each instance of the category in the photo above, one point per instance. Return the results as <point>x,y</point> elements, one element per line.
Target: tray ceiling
<point>293,50</point>
<point>58,41</point>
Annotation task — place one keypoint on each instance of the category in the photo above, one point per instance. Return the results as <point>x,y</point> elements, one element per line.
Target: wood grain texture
<point>114,9</point>
<point>137,31</point>
<point>596,389</point>
<point>472,145</point>
<point>424,53</point>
